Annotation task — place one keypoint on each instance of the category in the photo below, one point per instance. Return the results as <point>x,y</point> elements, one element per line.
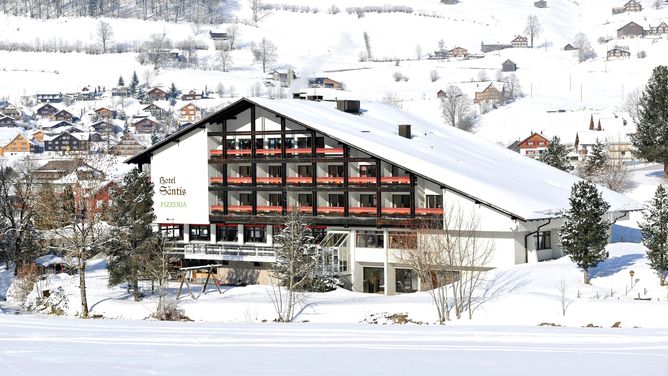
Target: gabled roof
<point>540,136</point>
<point>459,161</point>
<point>629,24</point>
<point>508,61</point>
<point>519,38</point>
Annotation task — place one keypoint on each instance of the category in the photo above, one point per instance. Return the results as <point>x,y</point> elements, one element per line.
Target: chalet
<point>218,35</point>
<point>491,93</point>
<point>128,145</point>
<point>609,130</point>
<point>15,141</point>
<point>458,52</point>
<point>325,82</point>
<point>569,47</point>
<point>284,78</point>
<point>533,146</point>
<point>190,112</point>
<point>192,95</point>
<point>156,94</point>
<point>493,47</point>
<point>439,55</point>
<point>38,135</point>
<point>88,94</point>
<point>6,121</point>
<point>618,53</point>
<point>46,111</point>
<point>105,113</point>
<point>11,111</point>
<point>120,91</point>
<point>540,4</point>
<point>659,30</point>
<point>49,98</point>
<point>62,115</point>
<point>440,94</point>
<point>146,126</point>
<point>508,66</point>
<point>67,141</point>
<point>105,127</point>
<point>630,6</point>
<point>56,171</point>
<point>519,42</point>
<point>363,182</point>
<point>630,30</point>
<point>154,110</point>
<point>56,126</point>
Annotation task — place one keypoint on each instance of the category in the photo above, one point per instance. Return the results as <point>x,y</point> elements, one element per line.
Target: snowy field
<point>39,345</point>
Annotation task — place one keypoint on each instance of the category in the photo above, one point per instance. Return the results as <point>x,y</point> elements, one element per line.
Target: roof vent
<point>349,106</point>
<point>405,130</point>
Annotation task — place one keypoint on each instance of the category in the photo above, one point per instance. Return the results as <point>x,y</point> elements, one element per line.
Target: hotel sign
<point>171,191</point>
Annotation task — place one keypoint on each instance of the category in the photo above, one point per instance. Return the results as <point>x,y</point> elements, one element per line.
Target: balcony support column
<point>346,192</point>
<point>412,191</point>
<point>253,162</point>
<point>284,170</point>
<point>314,177</point>
<point>379,195</point>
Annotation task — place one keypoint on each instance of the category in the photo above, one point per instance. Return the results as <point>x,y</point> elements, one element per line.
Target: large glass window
<point>401,201</point>
<point>254,234</point>
<point>289,143</point>
<point>273,143</point>
<point>336,200</point>
<point>172,231</point>
<point>543,240</point>
<point>370,239</point>
<point>368,200</point>
<point>374,280</point>
<point>303,142</point>
<point>244,144</point>
<point>406,280</point>
<point>227,233</point>
<point>231,144</point>
<point>335,171</point>
<point>320,142</point>
<point>199,232</point>
<point>259,143</point>
<point>368,170</point>
<point>434,201</point>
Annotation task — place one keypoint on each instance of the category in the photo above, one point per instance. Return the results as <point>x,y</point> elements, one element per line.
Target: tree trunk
<point>135,290</point>
<point>665,169</point>
<point>586,276</point>
<point>82,288</point>
<point>662,279</point>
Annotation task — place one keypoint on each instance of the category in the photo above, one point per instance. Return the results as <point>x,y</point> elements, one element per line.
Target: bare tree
<point>482,75</point>
<point>434,76</point>
<point>265,53</point>
<point>392,99</point>
<point>631,103</point>
<point>155,266</point>
<point>512,87</point>
<point>565,301</point>
<point>533,28</point>
<point>156,49</point>
<point>585,51</point>
<point>104,35</point>
<point>418,52</point>
<point>232,35</point>
<point>456,108</point>
<point>225,55</point>
<point>258,11</point>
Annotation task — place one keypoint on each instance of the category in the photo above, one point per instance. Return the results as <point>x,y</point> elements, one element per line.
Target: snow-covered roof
<point>459,161</point>
<point>8,134</point>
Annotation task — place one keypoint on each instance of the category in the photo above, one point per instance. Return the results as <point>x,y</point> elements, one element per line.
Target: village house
<point>284,78</point>
<point>106,127</point>
<point>458,53</point>
<point>491,94</point>
<point>154,110</point>
<point>569,47</point>
<point>540,4</point>
<point>618,53</point>
<point>11,111</point>
<point>56,126</point>
<point>190,112</point>
<point>532,146</point>
<point>630,6</point>
<point>6,121</point>
<point>128,146</point>
<point>105,113</point>
<point>62,115</point>
<point>441,94</point>
<point>661,29</point>
<point>192,95</point>
<point>218,36</point>
<point>37,135</point>
<point>67,172</point>
<point>120,91</point>
<point>67,141</point>
<point>324,82</point>
<point>146,126</point>
<point>156,94</point>
<point>520,42</point>
<point>508,66</point>
<point>611,131</point>
<point>46,111</point>
<point>493,47</point>
<point>630,30</point>
<point>49,98</point>
<point>15,141</point>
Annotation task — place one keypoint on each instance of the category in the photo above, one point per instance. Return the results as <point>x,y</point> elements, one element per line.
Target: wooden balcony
<point>239,180</point>
<point>429,211</point>
<point>270,209</point>
<point>240,208</point>
<point>239,152</point>
<point>299,180</point>
<point>216,153</point>
<point>330,180</point>
<point>395,179</point>
<point>362,180</point>
<point>268,180</point>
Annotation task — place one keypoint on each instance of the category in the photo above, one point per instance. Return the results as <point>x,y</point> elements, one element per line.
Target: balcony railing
<point>268,180</point>
<point>299,179</point>
<point>330,210</point>
<point>240,208</point>
<point>362,210</point>
<point>216,180</point>
<point>401,211</point>
<point>268,151</point>
<point>395,179</point>
<point>329,151</point>
<point>270,209</point>
<point>330,180</point>
<point>229,252</point>
<point>298,151</point>
<point>239,180</point>
<point>429,211</point>
<point>362,179</point>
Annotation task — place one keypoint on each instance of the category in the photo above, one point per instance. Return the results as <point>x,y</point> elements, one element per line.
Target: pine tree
<point>651,137</point>
<point>556,155</point>
<point>584,233</point>
<point>595,163</point>
<point>121,82</point>
<point>654,229</point>
<point>132,212</point>
<point>134,82</point>
<point>173,92</point>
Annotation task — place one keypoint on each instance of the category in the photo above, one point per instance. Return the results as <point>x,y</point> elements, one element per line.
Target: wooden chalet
<point>67,141</point>
<point>154,110</point>
<point>105,127</point>
<point>630,6</point>
<point>157,94</point>
<point>192,95</point>
<point>6,121</point>
<point>11,111</point>
<point>62,115</point>
<point>630,30</point>
<point>38,135</point>
<point>20,143</point>
<point>440,94</point>
<point>146,126</point>
<point>190,113</point>
<point>618,53</point>
<point>325,82</point>
<point>56,126</point>
<point>508,66</point>
<point>533,146</point>
<point>128,145</point>
<point>491,93</point>
<point>58,169</point>
<point>120,91</point>
<point>661,29</point>
<point>570,47</point>
<point>520,42</point>
<point>49,98</point>
<point>105,113</point>
<point>458,52</point>
<point>46,111</point>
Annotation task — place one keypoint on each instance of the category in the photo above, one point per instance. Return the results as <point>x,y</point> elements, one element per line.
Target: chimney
<point>350,106</point>
<point>405,130</point>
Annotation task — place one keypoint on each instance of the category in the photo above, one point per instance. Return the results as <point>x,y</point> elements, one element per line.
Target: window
<point>304,171</point>
<point>199,232</point>
<point>530,143</point>
<point>368,170</point>
<point>542,240</point>
<point>259,143</point>
<point>320,142</point>
<point>227,233</point>
<point>254,234</point>
<point>275,171</point>
<point>369,239</point>
<point>401,201</point>
<point>303,142</point>
<point>275,199</point>
<point>396,171</point>
<point>406,280</point>
<point>245,199</point>
<point>434,201</point>
<point>245,144</point>
<point>289,143</point>
<point>368,200</point>
<point>274,143</point>
<point>336,200</point>
<point>172,231</point>
<point>306,199</point>
<point>335,171</point>
<point>244,171</point>
<point>318,233</point>
<point>231,144</point>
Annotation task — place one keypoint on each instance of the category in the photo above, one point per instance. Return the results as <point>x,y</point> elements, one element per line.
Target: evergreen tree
<point>654,229</point>
<point>121,82</point>
<point>173,92</point>
<point>584,233</point>
<point>651,137</point>
<point>595,163</point>
<point>134,82</point>
<point>132,212</point>
<point>556,155</point>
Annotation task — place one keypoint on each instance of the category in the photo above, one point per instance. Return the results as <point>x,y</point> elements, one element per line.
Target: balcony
<point>362,180</point>
<point>240,208</point>
<point>230,252</point>
<point>298,151</point>
<point>396,211</point>
<point>269,209</point>
<point>329,210</point>
<point>299,180</point>
<point>268,180</point>
<point>329,151</point>
<point>362,210</point>
<point>238,152</point>
<point>268,151</point>
<point>217,208</point>
<point>429,211</point>
<point>216,180</point>
<point>395,179</point>
<point>330,180</point>
<point>239,180</point>
<point>216,153</point>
